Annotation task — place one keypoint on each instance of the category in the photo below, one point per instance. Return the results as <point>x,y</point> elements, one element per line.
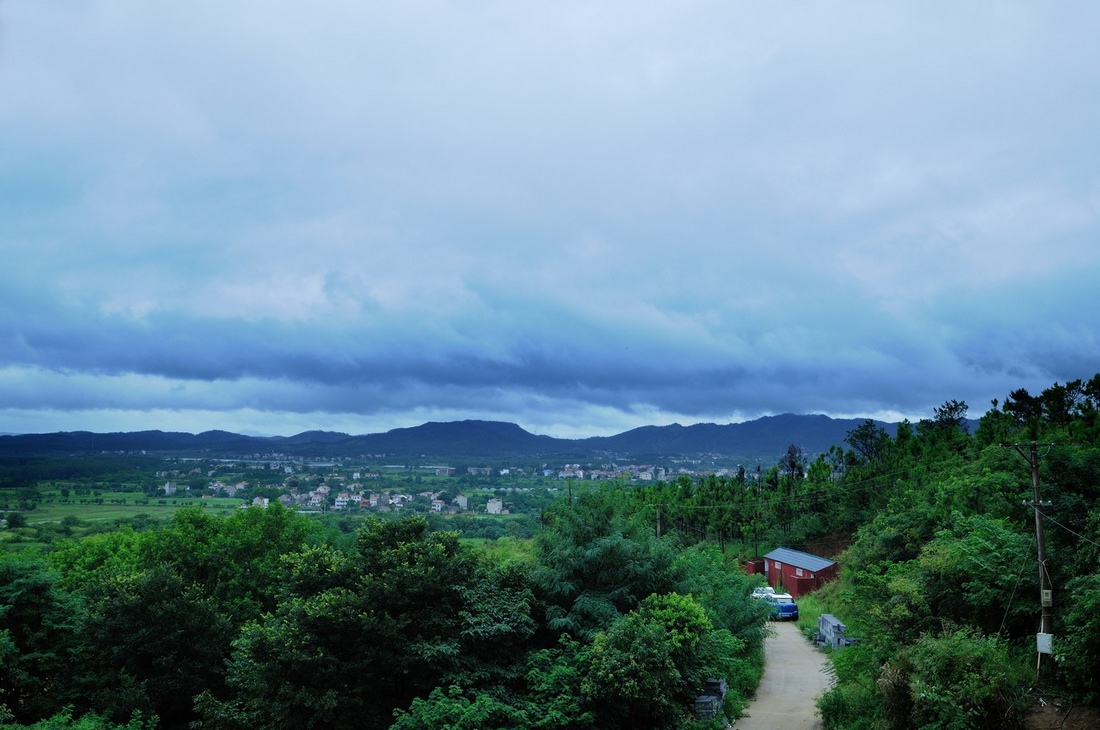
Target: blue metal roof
<point>799,559</point>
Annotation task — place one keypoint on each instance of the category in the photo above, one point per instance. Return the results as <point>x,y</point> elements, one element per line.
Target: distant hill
<point>763,440</point>
<point>768,437</point>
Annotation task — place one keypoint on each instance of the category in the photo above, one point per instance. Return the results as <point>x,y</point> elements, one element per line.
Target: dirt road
<point>793,679</point>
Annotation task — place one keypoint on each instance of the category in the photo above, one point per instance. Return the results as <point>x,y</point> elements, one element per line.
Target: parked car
<point>763,592</point>
<point>783,607</point>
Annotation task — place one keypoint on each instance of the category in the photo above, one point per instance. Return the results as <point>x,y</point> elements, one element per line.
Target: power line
<point>1078,535</point>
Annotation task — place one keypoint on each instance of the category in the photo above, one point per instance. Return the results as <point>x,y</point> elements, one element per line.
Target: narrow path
<point>794,678</point>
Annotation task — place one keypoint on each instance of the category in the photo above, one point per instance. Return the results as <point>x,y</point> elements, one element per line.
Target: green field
<point>56,518</point>
<point>115,505</point>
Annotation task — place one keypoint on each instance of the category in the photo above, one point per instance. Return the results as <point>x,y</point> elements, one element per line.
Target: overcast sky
<point>580,217</point>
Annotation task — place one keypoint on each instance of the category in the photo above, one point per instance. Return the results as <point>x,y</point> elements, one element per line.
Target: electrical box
<point>1044,643</point>
<point>1048,598</point>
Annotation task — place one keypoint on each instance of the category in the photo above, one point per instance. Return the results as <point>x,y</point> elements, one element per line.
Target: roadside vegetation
<point>934,528</point>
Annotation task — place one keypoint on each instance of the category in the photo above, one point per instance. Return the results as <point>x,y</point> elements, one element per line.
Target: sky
<point>271,217</point>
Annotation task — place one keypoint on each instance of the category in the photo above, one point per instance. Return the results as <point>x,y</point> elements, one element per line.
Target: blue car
<point>783,607</point>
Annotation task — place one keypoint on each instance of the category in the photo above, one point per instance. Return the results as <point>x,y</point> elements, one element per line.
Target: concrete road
<point>793,679</point>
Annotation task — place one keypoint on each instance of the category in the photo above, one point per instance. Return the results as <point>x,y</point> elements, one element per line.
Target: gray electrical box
<point>1044,643</point>
<point>1048,598</point>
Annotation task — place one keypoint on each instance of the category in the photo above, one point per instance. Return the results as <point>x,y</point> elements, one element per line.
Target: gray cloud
<point>576,218</point>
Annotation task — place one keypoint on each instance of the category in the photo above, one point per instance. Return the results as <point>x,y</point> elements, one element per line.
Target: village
<point>346,486</point>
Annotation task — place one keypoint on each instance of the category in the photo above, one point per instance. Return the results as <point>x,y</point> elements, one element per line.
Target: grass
<point>504,550</point>
<point>55,518</point>
<point>121,505</point>
<point>811,606</point>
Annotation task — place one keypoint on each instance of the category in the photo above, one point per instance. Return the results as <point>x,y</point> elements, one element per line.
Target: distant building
<point>494,506</point>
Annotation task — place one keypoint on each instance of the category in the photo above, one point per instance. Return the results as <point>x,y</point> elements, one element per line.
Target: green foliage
<point>852,702</point>
<point>453,710</point>
<point>148,641</point>
<point>497,625</point>
<point>596,563</point>
<point>237,559</point>
<point>1077,649</point>
<point>869,440</point>
<point>954,678</point>
<point>64,720</point>
<point>37,622</point>
<point>611,617</point>
<point>15,520</point>
<point>721,588</point>
<point>646,669</point>
<point>970,572</point>
<point>369,634</point>
<point>554,678</point>
<point>962,680</point>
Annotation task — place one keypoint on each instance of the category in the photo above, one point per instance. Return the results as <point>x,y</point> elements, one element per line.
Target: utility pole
<point>1045,637</point>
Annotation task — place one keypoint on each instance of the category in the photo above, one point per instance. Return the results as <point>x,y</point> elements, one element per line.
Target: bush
<point>16,519</point>
<point>1077,650</point>
<point>962,679</point>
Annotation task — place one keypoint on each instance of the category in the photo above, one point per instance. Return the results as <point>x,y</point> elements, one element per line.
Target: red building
<point>796,572</point>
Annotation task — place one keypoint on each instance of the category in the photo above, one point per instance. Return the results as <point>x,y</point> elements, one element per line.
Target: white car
<point>763,591</point>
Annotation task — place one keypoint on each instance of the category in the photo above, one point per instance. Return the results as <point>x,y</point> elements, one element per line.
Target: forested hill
<point>759,440</point>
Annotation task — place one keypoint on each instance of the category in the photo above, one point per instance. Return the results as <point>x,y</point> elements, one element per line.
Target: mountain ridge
<point>764,438</point>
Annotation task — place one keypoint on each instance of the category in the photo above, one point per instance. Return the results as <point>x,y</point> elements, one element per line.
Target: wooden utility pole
<point>1046,624</point>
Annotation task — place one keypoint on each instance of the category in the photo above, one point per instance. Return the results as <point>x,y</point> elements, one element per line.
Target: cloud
<point>575,218</point>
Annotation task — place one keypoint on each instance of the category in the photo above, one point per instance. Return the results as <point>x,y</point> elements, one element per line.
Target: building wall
<point>794,580</point>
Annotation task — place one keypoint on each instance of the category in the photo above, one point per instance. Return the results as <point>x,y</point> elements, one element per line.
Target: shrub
<point>962,679</point>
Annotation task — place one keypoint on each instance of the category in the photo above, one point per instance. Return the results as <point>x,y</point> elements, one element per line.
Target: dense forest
<point>614,615</point>
<point>935,529</point>
<point>266,618</point>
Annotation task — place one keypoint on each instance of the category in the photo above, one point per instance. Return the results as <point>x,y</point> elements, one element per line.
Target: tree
<point>454,710</point>
<point>792,470</point>
<point>148,642</point>
<point>595,563</point>
<point>352,637</point>
<point>646,669</point>
<point>952,415</point>
<point>1026,410</point>
<point>554,677</point>
<point>869,440</point>
<point>237,558</point>
<point>1078,654</point>
<point>36,628</point>
<point>970,572</point>
<point>497,626</point>
<point>15,520</point>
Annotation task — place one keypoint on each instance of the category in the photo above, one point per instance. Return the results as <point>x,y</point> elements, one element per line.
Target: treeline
<point>269,619</point>
<point>935,532</point>
<point>29,472</point>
